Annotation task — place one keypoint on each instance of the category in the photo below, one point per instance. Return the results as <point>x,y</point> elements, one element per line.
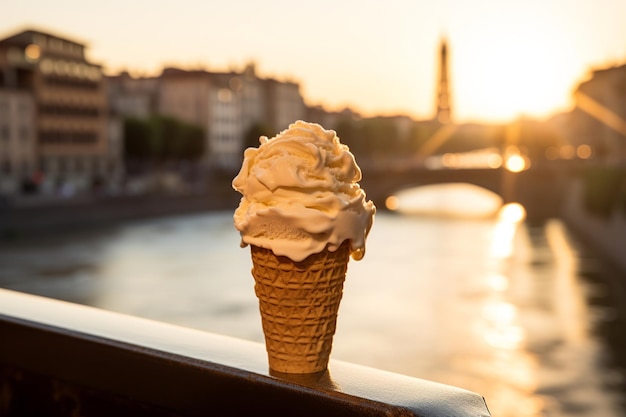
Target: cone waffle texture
<point>299,302</point>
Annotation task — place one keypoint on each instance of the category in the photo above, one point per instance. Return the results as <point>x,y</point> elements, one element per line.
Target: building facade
<point>599,118</point>
<point>285,104</point>
<point>68,92</point>
<point>229,114</point>
<point>18,153</point>
<point>132,97</point>
<point>227,105</point>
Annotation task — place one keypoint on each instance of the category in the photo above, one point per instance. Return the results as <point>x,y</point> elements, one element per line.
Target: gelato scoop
<point>301,195</point>
<point>303,215</point>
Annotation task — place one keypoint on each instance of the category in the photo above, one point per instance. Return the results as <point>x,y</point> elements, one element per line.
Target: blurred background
<point>491,136</point>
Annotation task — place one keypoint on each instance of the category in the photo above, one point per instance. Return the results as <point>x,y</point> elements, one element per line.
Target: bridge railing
<point>63,359</point>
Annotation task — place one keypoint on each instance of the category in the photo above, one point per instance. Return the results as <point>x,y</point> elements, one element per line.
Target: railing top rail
<point>190,372</point>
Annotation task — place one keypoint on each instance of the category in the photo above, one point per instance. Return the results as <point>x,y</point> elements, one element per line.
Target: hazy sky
<point>379,57</point>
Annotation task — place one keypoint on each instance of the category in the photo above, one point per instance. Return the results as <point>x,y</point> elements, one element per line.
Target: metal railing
<point>63,359</point>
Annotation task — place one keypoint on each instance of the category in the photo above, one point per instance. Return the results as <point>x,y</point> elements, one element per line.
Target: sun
<point>520,72</point>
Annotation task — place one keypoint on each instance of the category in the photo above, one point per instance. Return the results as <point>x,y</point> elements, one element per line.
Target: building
<point>227,105</point>
<point>190,95</point>
<point>227,126</point>
<point>283,102</point>
<point>132,97</point>
<point>71,141</point>
<point>443,114</point>
<point>599,118</point>
<point>18,156</point>
<point>185,95</point>
<point>253,106</point>
<point>330,119</point>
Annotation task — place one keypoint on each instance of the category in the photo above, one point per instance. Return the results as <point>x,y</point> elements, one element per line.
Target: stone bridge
<point>539,189</point>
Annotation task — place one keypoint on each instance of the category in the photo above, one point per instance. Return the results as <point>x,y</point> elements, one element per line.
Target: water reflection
<point>448,200</point>
<point>487,303</point>
<point>509,217</point>
<point>526,327</point>
<point>500,326</point>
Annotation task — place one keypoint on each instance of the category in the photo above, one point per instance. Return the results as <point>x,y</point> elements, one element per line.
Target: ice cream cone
<point>299,302</point>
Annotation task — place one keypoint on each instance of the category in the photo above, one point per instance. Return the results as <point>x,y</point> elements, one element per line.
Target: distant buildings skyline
<point>61,118</point>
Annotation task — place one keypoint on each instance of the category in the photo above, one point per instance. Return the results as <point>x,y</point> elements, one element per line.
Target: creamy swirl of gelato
<point>301,194</point>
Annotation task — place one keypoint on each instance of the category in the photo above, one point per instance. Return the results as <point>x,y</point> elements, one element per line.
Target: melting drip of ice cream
<point>301,194</point>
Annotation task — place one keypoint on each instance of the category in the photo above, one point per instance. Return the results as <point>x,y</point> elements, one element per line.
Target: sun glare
<point>512,213</point>
<point>516,72</point>
<point>515,163</point>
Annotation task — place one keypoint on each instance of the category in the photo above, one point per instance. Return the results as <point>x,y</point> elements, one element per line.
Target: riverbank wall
<point>37,217</point>
<point>606,236</point>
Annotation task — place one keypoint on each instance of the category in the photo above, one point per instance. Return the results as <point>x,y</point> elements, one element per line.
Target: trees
<point>162,139</point>
<point>137,138</point>
<point>370,138</point>
<point>252,135</point>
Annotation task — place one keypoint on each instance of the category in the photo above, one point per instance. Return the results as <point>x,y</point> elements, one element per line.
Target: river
<point>520,314</point>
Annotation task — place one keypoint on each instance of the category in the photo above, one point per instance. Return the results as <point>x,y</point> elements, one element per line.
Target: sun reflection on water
<point>506,362</point>
<point>499,328</point>
<point>512,213</point>
<point>509,216</point>
<point>497,282</point>
<point>460,200</point>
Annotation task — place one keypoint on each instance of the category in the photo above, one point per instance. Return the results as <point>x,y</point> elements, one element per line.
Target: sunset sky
<point>379,57</point>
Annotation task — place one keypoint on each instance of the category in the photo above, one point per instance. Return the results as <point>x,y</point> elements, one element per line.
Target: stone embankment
<point>38,216</point>
<point>605,236</point>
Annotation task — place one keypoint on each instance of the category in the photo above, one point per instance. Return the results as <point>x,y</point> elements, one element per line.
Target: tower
<point>443,93</point>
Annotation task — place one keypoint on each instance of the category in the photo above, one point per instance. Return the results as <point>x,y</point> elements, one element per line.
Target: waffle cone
<point>299,302</point>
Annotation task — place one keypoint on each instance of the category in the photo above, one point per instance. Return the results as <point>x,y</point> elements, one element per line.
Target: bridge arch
<point>381,184</point>
<point>538,189</point>
<point>454,199</point>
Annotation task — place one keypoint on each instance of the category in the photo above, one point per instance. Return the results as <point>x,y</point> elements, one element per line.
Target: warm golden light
<point>509,216</point>
<point>502,332</point>
<point>515,163</point>
<point>448,160</point>
<point>392,203</point>
<point>498,68</point>
<point>500,312</point>
<point>437,139</point>
<point>494,161</point>
<point>460,200</point>
<point>32,52</point>
<point>482,158</point>
<point>552,153</point>
<point>584,151</point>
<point>567,152</point>
<point>509,82</point>
<point>497,282</point>
<point>601,112</point>
<point>512,213</point>
<point>224,95</point>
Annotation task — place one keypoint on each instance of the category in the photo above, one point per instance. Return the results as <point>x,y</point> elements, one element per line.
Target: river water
<point>520,314</point>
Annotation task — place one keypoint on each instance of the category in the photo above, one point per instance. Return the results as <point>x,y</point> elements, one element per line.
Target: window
<point>24,133</point>
<point>54,136</point>
<point>24,108</point>
<point>5,132</point>
<point>6,167</point>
